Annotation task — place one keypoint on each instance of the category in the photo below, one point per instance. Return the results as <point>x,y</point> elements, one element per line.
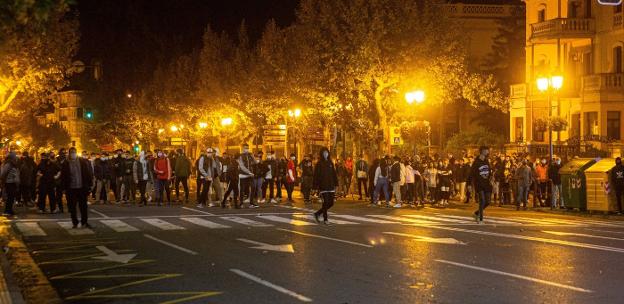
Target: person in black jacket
<point>76,179</point>
<point>617,178</point>
<point>307,177</point>
<point>480,173</point>
<point>232,180</point>
<point>325,181</point>
<point>47,171</point>
<point>270,176</point>
<point>27,168</point>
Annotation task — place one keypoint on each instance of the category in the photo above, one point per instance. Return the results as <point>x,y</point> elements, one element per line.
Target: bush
<point>476,137</point>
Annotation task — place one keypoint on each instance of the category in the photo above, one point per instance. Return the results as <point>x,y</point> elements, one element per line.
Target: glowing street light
<point>203,125</point>
<point>18,142</point>
<point>160,131</point>
<point>129,95</point>
<point>294,113</point>
<point>550,85</point>
<point>174,128</point>
<point>415,96</point>
<point>226,121</point>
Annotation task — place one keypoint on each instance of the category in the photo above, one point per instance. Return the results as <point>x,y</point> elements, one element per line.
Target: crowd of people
<point>250,179</point>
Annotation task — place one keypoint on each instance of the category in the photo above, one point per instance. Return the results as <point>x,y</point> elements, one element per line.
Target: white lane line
<point>300,209</point>
<point>271,285</point>
<point>582,235</point>
<point>545,221</point>
<point>170,244</point>
<point>363,219</point>
<point>326,238</point>
<point>204,223</point>
<point>607,231</point>
<point>198,211</point>
<point>404,219</point>
<point>517,276</point>
<point>420,238</point>
<point>30,229</point>
<point>439,219</point>
<point>486,219</point>
<point>77,231</point>
<point>118,226</point>
<point>331,220</point>
<point>162,224</point>
<point>280,219</point>
<point>245,221</point>
<point>98,213</point>
<point>531,238</point>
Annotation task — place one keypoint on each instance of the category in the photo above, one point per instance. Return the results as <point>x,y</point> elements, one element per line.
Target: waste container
<point>573,182</point>
<point>600,195</point>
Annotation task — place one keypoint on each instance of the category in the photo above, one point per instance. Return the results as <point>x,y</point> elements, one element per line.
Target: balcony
<point>603,82</point>
<point>563,28</point>
<point>617,20</point>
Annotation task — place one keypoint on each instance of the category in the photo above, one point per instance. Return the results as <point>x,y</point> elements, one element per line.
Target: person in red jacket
<point>162,170</point>
<point>291,176</point>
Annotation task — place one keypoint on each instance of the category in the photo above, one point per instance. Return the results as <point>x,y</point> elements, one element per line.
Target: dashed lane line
<point>326,238</point>
<point>278,288</point>
<point>191,252</point>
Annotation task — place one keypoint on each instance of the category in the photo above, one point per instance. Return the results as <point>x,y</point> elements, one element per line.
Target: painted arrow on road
<point>583,235</point>
<point>264,246</point>
<point>450,241</point>
<point>113,256</point>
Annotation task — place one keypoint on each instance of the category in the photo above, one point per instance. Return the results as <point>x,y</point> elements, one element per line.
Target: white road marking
<point>204,223</point>
<point>280,219</point>
<point>546,221</point>
<point>98,213</point>
<point>440,219</point>
<point>485,219</point>
<point>30,229</point>
<point>198,211</point>
<point>404,219</point>
<point>583,235</point>
<point>162,224</point>
<point>264,246</point>
<point>517,276</point>
<point>301,209</point>
<point>245,221</point>
<point>450,241</point>
<point>170,244</point>
<point>152,216</point>
<point>363,219</point>
<point>118,225</point>
<point>326,238</point>
<point>76,231</point>
<point>531,238</point>
<point>331,220</point>
<point>607,231</point>
<point>271,285</point>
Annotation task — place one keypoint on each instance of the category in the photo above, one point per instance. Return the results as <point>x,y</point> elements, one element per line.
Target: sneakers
<point>273,201</point>
<point>86,225</point>
<point>476,216</point>
<point>200,206</point>
<point>262,201</point>
<point>316,218</point>
<point>246,201</point>
<point>211,205</point>
<point>397,205</point>
<point>253,205</point>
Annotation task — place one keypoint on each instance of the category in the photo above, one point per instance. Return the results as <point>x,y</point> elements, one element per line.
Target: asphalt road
<point>275,254</point>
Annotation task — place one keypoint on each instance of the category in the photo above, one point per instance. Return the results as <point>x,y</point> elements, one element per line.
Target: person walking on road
<point>325,181</point>
<point>232,181</point>
<point>617,178</point>
<point>76,178</point>
<point>481,173</point>
<point>307,178</point>
<point>395,179</point>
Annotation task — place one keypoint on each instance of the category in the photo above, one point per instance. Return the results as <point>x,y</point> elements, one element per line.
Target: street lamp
<point>415,96</point>
<point>226,121</point>
<point>294,113</point>
<point>174,128</point>
<point>203,125</point>
<point>550,85</point>
<point>161,131</point>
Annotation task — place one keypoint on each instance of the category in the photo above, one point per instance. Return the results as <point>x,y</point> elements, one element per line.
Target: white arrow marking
<point>113,256</point>
<point>450,241</point>
<point>583,235</point>
<point>264,246</point>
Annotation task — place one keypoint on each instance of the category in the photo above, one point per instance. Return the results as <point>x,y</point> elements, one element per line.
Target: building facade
<point>67,110</point>
<point>582,41</point>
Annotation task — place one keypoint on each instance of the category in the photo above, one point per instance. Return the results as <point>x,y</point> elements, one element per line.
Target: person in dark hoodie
<point>10,178</point>
<point>325,181</point>
<point>480,173</point>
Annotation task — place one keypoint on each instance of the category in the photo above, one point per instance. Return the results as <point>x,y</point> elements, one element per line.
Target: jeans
<point>162,185</point>
<point>217,188</point>
<point>556,194</point>
<point>256,189</point>
<point>99,185</point>
<point>232,187</point>
<point>382,184</point>
<point>290,187</point>
<point>77,197</point>
<point>462,191</point>
<point>410,192</point>
<point>523,196</point>
<point>484,201</point>
<point>268,183</point>
<point>618,197</point>
<point>328,202</point>
<point>203,197</point>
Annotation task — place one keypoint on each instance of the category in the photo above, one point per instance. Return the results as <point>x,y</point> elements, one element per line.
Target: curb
<point>25,281</point>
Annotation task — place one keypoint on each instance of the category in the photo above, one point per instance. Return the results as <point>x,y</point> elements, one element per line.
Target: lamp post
<point>550,85</point>
<point>226,122</point>
<point>418,97</point>
<point>293,114</point>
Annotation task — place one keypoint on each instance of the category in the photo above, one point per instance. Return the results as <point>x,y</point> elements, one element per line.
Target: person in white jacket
<point>409,183</point>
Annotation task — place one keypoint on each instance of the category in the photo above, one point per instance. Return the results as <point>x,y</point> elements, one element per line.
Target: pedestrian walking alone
<point>480,177</point>
<point>76,179</point>
<point>325,181</point>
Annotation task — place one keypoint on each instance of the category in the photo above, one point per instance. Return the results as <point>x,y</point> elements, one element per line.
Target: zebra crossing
<point>34,228</point>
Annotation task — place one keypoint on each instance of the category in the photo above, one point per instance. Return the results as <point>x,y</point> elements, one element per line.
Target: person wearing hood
<point>325,181</point>
<point>10,178</point>
<point>307,177</point>
<point>141,175</point>
<point>76,178</point>
<point>182,171</point>
<point>617,178</point>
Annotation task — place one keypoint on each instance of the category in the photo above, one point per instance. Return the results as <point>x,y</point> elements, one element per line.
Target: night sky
<point>132,37</point>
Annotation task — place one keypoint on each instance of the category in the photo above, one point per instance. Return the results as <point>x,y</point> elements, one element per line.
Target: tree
<point>36,48</point>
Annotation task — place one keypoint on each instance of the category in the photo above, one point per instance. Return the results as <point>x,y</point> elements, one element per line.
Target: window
<point>591,123</point>
<point>541,15</point>
<point>575,130</point>
<point>588,12</point>
<point>617,59</point>
<point>587,64</point>
<point>519,126</point>
<point>572,9</point>
<point>538,135</point>
<point>617,9</point>
<point>613,125</point>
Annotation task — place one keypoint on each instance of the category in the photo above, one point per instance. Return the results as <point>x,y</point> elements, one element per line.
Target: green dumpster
<point>573,182</point>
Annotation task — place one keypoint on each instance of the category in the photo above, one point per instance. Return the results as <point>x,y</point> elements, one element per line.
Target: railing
<point>617,20</point>
<point>606,81</point>
<point>518,90</point>
<point>563,27</point>
<point>482,10</point>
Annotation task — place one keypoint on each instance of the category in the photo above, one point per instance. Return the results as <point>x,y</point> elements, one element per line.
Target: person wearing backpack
<point>10,178</point>
<point>382,179</point>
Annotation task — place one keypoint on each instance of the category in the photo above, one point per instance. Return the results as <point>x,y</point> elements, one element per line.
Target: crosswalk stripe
<point>545,221</point>
<point>332,220</point>
<point>204,223</point>
<point>245,221</point>
<point>404,219</point>
<point>78,231</point>
<point>280,219</point>
<point>30,229</point>
<point>118,225</point>
<point>486,219</point>
<point>162,224</point>
<point>440,219</point>
<point>363,219</point>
